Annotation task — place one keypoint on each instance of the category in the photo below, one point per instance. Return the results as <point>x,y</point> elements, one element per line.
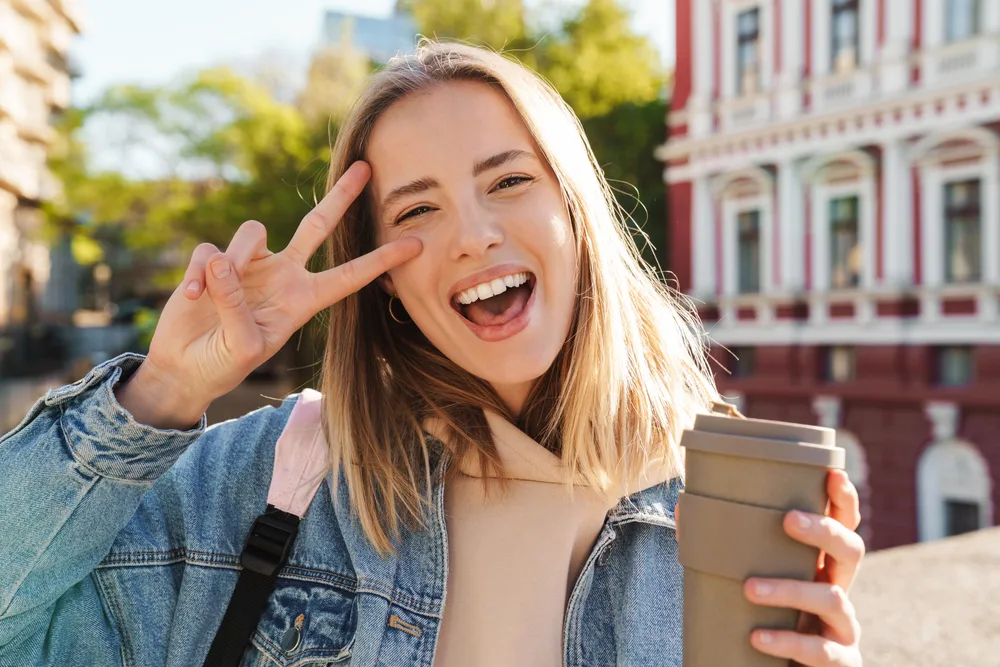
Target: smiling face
<point>494,288</point>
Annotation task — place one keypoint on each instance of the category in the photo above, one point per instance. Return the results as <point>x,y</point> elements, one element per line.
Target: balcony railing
<point>741,112</point>
<point>952,313</point>
<point>960,60</point>
<point>842,89</point>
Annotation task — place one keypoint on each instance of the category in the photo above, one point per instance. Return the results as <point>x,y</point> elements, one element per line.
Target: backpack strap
<point>300,465</point>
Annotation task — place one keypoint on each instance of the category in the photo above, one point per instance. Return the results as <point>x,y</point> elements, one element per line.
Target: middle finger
<point>829,603</point>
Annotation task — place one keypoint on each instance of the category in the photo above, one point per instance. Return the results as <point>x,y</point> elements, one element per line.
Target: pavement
<point>933,604</point>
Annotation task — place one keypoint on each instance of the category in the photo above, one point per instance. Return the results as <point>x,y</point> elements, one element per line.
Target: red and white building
<point>834,205</point>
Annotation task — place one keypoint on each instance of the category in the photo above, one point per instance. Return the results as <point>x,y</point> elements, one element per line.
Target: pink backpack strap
<point>300,457</point>
<point>300,465</point>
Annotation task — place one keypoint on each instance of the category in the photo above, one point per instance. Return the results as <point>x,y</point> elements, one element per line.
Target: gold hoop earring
<point>393,315</point>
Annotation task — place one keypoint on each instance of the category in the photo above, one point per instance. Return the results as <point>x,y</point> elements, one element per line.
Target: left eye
<point>511,181</point>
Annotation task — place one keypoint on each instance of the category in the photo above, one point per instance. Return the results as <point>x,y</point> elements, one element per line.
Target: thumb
<point>239,328</point>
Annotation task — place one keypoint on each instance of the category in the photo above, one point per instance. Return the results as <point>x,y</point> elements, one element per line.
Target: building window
<point>748,248</point>
<point>838,364</point>
<point>962,262</point>
<point>961,19</point>
<point>748,51</point>
<point>844,38</point>
<point>953,366</point>
<point>742,362</point>
<point>960,517</point>
<point>845,250</point>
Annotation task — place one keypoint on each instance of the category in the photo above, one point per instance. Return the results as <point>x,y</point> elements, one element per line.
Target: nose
<point>477,229</point>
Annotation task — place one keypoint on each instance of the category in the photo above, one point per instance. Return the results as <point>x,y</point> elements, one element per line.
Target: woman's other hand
<point>829,633</point>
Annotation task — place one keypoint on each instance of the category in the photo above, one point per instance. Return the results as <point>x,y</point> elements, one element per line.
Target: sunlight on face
<point>495,286</point>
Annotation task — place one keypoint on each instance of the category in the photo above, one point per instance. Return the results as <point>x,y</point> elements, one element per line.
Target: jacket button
<point>293,635</point>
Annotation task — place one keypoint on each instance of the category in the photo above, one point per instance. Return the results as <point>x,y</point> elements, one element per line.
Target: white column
<point>792,58</point>
<point>821,27</point>
<point>932,25</point>
<point>990,17</point>
<point>727,33</point>
<point>8,248</point>
<point>700,102</point>
<point>897,216</point>
<point>898,22</point>
<point>703,240</point>
<point>990,219</point>
<point>791,229</point>
<point>827,408</point>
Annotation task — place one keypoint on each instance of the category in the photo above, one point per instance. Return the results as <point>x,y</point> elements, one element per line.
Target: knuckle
<point>829,653</point>
<point>203,250</point>
<point>317,220</point>
<point>838,600</point>
<point>350,274</point>
<point>254,226</point>
<point>855,631</point>
<point>231,296</point>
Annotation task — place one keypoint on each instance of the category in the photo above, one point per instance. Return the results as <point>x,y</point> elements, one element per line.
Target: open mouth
<point>496,302</point>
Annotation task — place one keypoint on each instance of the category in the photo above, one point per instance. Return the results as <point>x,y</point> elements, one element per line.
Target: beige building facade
<point>35,73</point>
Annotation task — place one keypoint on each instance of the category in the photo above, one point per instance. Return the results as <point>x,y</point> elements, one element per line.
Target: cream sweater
<point>513,561</point>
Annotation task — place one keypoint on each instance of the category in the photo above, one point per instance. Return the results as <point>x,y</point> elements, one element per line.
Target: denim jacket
<point>120,544</point>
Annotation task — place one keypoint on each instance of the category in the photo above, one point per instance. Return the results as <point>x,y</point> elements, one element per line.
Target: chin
<point>516,365</point>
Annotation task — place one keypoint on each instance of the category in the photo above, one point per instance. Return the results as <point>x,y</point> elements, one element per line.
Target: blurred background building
<point>832,173</point>
<point>379,38</point>
<point>35,73</point>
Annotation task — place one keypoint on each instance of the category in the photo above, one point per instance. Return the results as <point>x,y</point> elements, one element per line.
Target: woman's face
<point>494,288</point>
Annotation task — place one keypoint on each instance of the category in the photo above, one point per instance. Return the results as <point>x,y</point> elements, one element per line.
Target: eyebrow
<point>427,183</point>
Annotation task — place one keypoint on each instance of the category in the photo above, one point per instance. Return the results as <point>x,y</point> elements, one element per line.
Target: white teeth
<point>491,288</point>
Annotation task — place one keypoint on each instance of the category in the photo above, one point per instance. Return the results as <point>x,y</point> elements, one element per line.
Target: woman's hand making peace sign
<point>209,340</point>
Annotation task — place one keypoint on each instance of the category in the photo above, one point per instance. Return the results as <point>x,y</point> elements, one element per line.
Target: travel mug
<point>741,477</point>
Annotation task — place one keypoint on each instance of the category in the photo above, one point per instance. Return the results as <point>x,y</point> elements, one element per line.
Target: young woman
<point>504,390</point>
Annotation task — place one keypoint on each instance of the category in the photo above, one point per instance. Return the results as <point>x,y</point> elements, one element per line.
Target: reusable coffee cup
<point>741,477</point>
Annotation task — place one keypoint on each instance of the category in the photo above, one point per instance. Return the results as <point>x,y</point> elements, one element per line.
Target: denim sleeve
<point>71,476</point>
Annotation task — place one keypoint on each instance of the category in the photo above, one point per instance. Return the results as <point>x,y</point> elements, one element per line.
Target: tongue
<point>498,309</point>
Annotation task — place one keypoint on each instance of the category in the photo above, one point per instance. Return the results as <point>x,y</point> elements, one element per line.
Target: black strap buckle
<point>269,541</point>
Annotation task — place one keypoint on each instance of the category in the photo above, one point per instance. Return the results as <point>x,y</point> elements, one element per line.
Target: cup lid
<point>767,429</point>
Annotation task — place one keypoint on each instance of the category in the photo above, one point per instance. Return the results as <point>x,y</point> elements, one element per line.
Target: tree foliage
<point>224,150</point>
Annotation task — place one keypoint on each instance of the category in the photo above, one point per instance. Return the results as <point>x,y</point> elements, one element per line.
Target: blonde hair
<point>629,378</point>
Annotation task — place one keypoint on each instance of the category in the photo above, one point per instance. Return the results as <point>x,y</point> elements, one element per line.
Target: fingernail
<point>803,520</point>
<point>193,287</point>
<point>763,589</point>
<point>220,268</point>
<point>765,637</point>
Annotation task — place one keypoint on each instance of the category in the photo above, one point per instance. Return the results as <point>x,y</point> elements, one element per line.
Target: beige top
<point>513,561</point>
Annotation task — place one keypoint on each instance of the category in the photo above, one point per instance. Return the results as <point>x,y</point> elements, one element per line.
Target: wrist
<point>158,400</point>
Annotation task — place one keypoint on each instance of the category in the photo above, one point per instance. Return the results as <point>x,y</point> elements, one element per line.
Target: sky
<point>152,42</point>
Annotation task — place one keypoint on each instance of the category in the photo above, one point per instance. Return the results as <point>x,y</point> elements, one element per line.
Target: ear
<point>385,282</point>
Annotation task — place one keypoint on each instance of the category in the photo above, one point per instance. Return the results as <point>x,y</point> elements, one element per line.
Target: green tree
<point>499,24</point>
<point>597,62</point>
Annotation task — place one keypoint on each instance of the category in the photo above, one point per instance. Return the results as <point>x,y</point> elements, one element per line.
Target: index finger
<point>334,284</point>
<point>320,222</point>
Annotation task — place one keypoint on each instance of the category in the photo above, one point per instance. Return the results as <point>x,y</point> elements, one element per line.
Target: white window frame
<point>933,181</point>
<point>822,13</point>
<point>730,10</point>
<point>932,28</point>
<point>951,469</point>
<point>822,194</point>
<point>731,210</point>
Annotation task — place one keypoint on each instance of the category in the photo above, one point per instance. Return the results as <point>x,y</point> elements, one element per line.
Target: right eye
<point>413,212</point>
